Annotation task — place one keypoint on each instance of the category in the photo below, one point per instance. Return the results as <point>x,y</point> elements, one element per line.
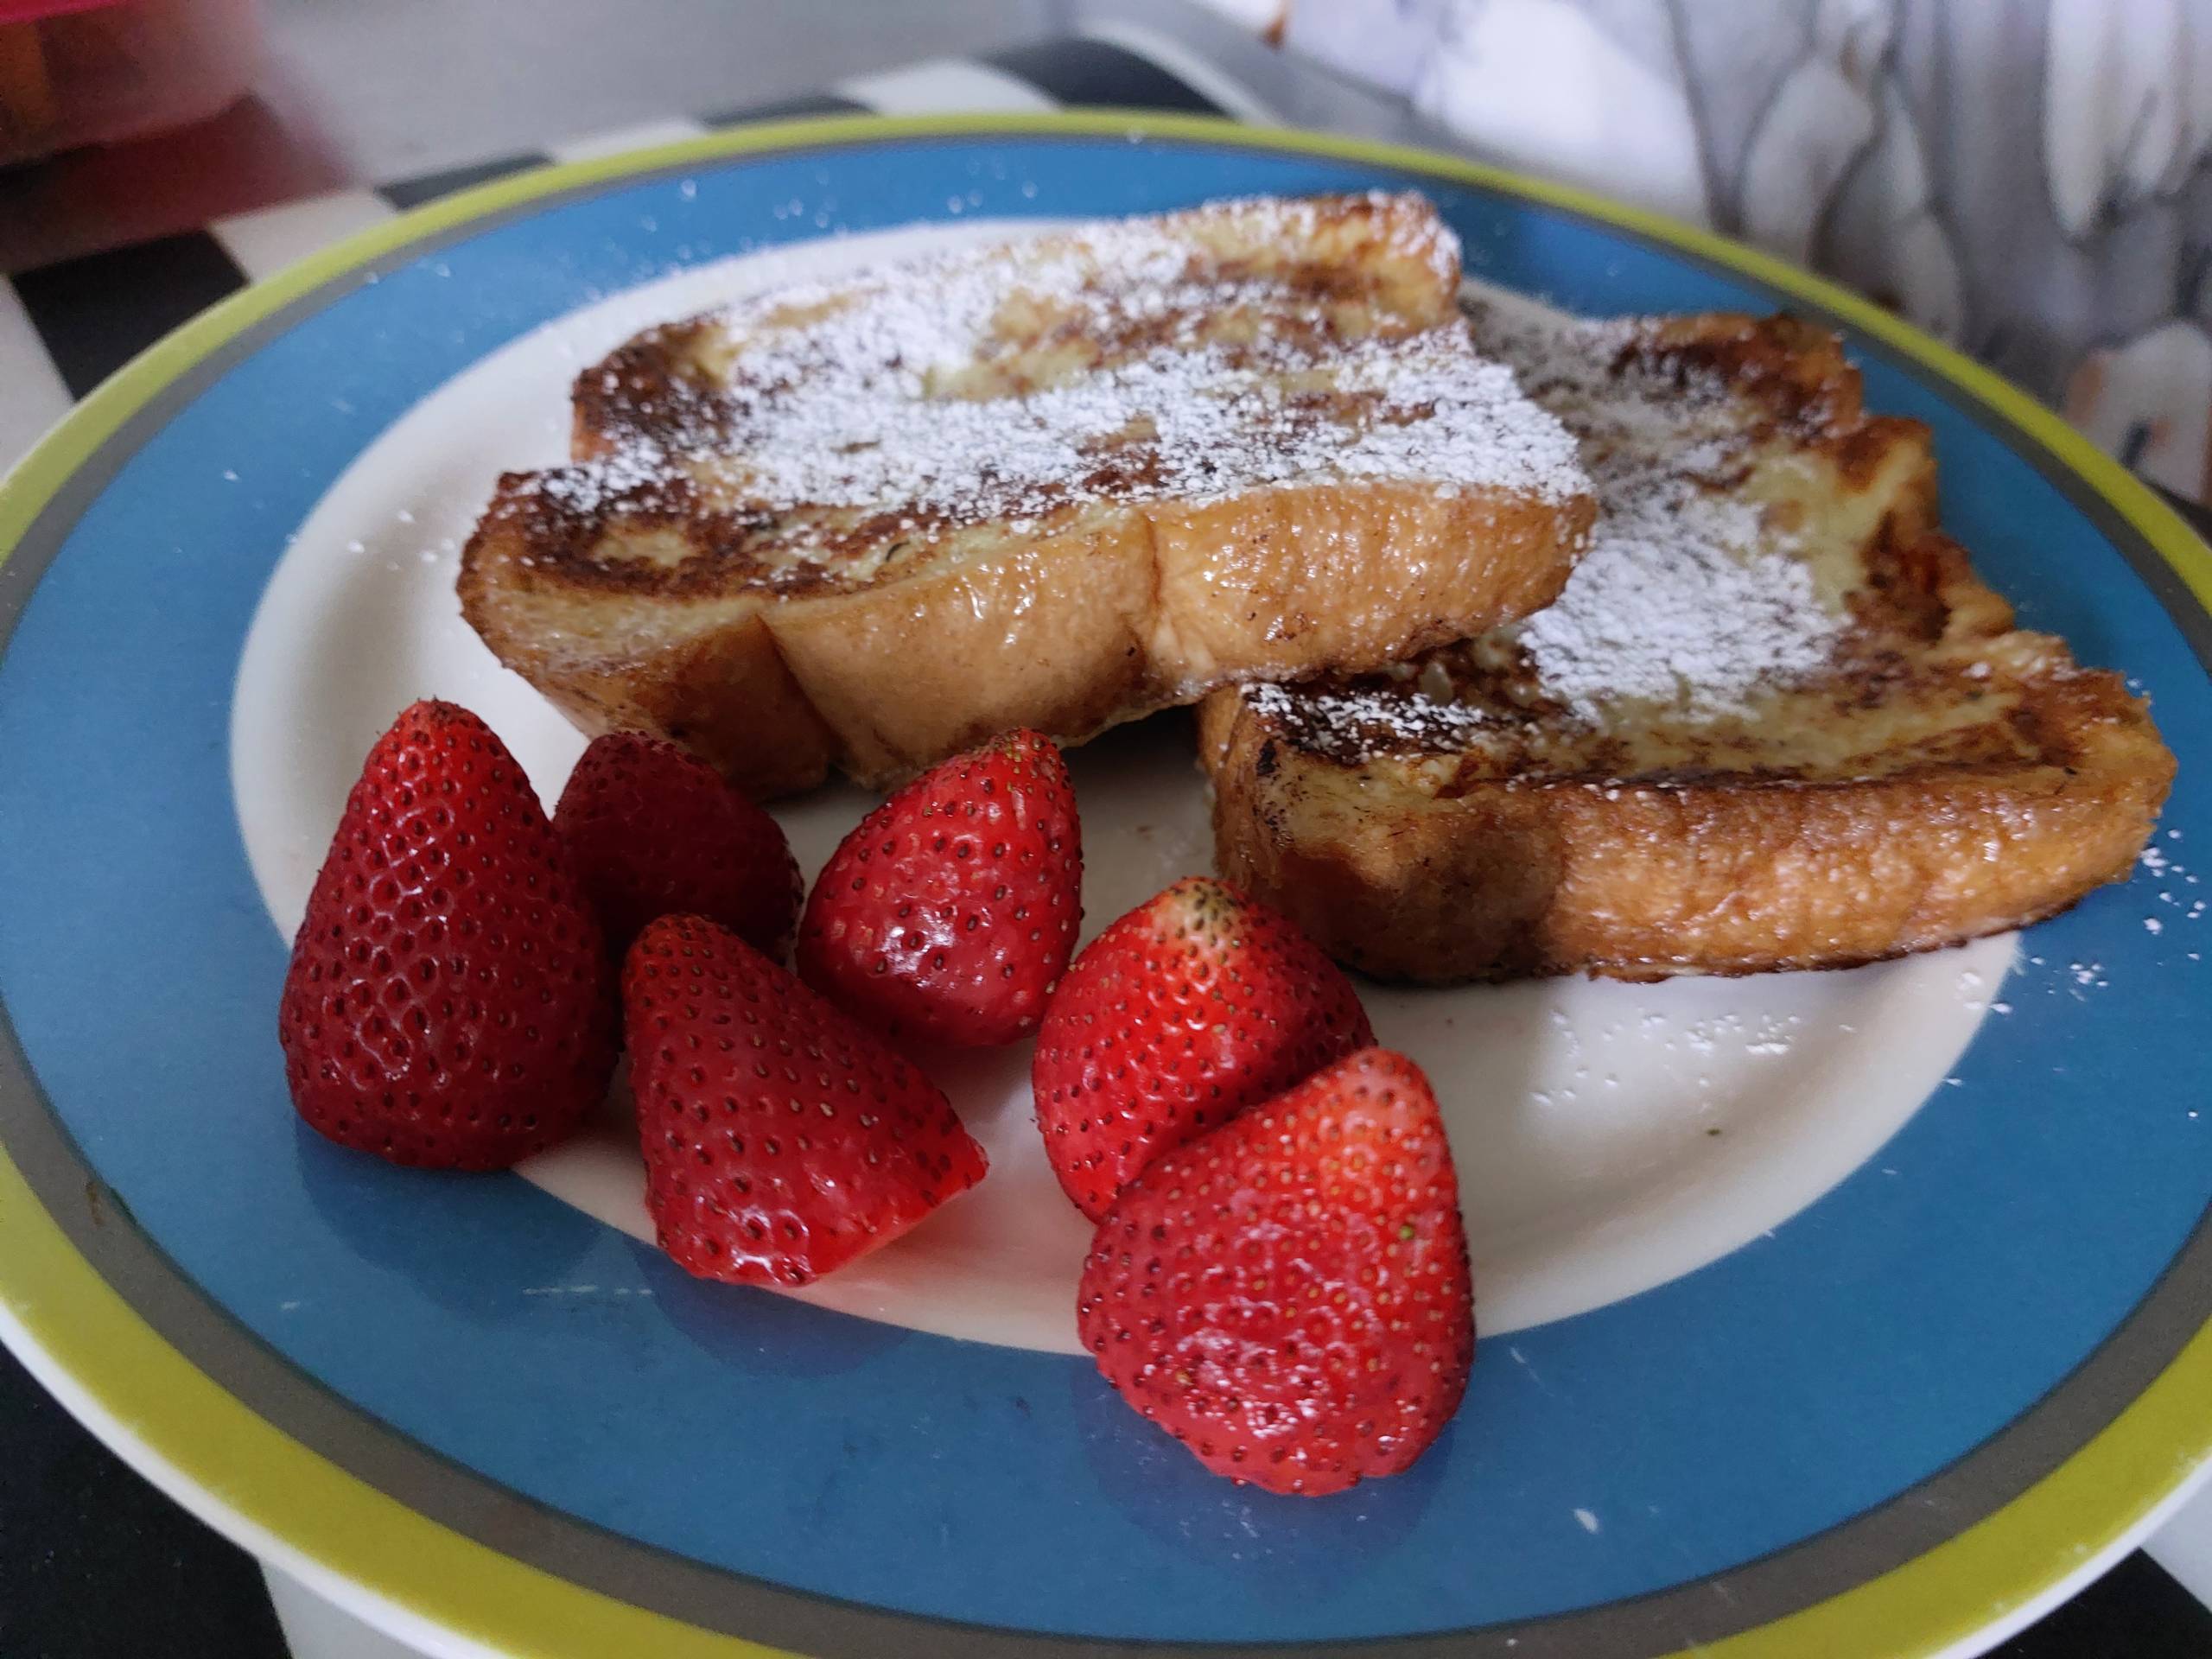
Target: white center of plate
<point>1609,1137</point>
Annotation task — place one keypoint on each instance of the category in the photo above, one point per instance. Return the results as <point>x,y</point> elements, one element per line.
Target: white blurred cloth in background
<point>2022,177</point>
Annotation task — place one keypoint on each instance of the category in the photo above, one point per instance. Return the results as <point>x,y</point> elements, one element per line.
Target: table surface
<point>94,1562</point>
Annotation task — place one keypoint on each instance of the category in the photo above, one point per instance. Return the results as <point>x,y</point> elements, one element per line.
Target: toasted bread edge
<point>1530,879</point>
<point>1165,601</point>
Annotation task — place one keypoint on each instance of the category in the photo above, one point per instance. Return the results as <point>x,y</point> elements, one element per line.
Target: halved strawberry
<point>654,830</point>
<point>781,1138</point>
<point>449,1003</point>
<point>949,914</point>
<point>1180,1014</point>
<point>1288,1295</point>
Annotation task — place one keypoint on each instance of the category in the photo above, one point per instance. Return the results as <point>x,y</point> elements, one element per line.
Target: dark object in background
<point>84,71</point>
<point>2138,1610</point>
<point>94,1562</point>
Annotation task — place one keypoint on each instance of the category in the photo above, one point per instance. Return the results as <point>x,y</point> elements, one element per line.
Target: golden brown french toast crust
<point>1644,876</point>
<point>1846,756</point>
<point>1057,484</point>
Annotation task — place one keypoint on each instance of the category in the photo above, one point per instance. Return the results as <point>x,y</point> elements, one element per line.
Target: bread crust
<point>1521,877</point>
<point>1945,777</point>
<point>664,590</point>
<point>1122,612</point>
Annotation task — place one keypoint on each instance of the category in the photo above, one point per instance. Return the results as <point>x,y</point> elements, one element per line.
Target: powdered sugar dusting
<point>1126,359</point>
<point>1686,598</point>
<point>1353,724</point>
<point>1687,601</point>
<point>587,486</point>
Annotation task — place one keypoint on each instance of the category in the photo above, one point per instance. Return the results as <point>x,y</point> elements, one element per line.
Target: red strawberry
<point>448,1001</point>
<point>1288,1295</point>
<point>655,830</point>
<point>781,1138</point>
<point>1176,1018</point>
<point>950,912</point>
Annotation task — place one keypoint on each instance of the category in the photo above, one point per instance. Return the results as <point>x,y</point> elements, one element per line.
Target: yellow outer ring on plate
<point>2096,1498</point>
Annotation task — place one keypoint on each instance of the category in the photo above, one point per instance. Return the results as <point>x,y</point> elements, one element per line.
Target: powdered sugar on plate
<point>1129,359</point>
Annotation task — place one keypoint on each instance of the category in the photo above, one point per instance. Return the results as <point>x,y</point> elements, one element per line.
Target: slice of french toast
<point>1774,721</point>
<point>1059,483</point>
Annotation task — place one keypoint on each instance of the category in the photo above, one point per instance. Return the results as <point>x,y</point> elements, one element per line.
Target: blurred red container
<point>84,71</point>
